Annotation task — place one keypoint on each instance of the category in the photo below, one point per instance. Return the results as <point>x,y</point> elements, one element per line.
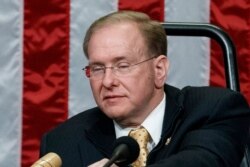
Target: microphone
<point>126,150</point>
<point>48,160</point>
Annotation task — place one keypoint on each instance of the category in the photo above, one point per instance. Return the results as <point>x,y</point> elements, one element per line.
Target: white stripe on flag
<point>11,16</point>
<point>83,13</point>
<point>189,57</point>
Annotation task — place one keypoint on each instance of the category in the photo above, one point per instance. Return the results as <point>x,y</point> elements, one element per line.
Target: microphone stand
<point>117,155</point>
<point>111,161</point>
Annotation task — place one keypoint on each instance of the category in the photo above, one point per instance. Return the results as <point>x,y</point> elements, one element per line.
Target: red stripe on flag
<point>46,59</point>
<point>154,8</point>
<point>234,17</point>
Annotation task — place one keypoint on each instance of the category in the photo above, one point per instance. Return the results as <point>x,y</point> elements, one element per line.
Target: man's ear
<point>161,65</point>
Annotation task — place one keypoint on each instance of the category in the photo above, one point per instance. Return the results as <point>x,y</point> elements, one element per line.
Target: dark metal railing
<point>220,36</point>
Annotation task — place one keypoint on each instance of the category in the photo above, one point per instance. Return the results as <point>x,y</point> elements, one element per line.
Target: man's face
<point>130,98</point>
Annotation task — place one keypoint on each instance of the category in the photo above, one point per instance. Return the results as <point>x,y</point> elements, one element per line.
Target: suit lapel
<point>172,111</point>
<point>102,135</point>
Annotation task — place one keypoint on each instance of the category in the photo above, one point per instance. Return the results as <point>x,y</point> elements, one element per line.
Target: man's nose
<point>109,78</point>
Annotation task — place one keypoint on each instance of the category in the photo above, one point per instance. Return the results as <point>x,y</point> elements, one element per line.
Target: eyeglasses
<point>122,69</point>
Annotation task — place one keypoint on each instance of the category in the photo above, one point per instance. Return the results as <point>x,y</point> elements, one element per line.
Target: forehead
<point>118,40</point>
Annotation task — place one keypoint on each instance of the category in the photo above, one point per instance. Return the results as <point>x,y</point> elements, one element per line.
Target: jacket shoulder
<point>77,123</point>
<point>206,93</point>
<point>209,99</point>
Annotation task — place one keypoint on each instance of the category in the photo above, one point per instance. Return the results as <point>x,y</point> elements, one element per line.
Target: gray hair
<point>152,31</point>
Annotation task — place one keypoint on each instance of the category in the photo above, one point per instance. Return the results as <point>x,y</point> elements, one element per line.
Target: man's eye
<point>96,69</point>
<point>123,66</point>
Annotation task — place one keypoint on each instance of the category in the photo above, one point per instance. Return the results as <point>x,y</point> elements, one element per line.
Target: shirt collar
<point>153,123</point>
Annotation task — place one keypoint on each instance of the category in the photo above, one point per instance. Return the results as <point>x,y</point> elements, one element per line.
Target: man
<point>195,126</point>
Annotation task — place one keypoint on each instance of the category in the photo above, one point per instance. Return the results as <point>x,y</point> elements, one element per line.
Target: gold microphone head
<point>48,160</point>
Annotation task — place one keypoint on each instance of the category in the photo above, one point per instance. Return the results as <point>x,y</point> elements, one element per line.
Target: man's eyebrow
<point>115,60</point>
<point>95,64</point>
<point>120,58</point>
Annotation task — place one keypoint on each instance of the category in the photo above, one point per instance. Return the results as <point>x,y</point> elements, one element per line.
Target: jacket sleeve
<point>216,138</point>
<point>43,146</point>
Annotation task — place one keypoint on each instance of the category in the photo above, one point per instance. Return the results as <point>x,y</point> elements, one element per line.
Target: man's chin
<point>116,114</point>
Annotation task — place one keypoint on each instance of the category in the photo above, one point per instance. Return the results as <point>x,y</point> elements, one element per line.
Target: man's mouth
<point>112,97</point>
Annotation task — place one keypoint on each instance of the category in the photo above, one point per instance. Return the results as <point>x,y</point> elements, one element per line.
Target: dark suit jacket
<point>203,127</point>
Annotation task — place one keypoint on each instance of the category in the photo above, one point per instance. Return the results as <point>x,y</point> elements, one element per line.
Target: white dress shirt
<point>153,123</point>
